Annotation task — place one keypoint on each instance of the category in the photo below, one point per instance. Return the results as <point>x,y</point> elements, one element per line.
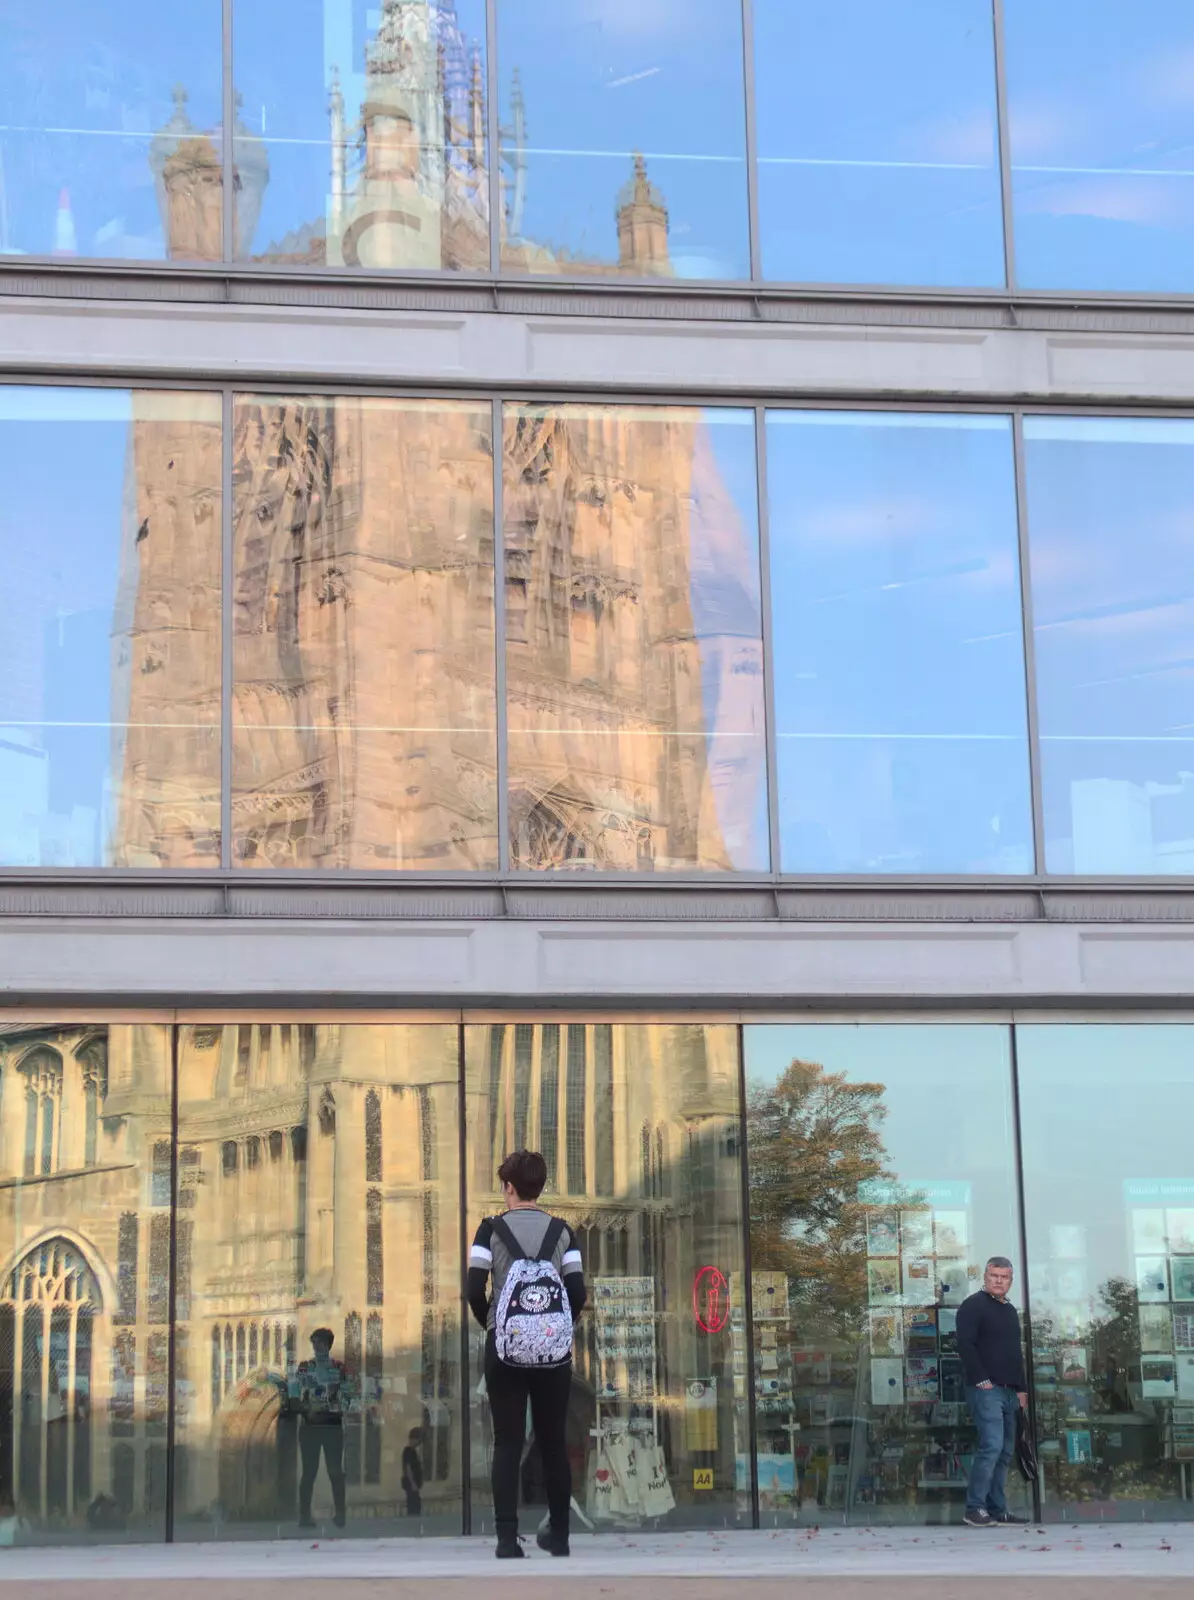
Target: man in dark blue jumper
<point>993,1364</point>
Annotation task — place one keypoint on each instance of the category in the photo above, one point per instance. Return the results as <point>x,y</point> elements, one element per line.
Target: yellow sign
<point>702,1477</point>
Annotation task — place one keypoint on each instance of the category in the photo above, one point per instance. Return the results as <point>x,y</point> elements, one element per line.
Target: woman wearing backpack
<point>538,1291</point>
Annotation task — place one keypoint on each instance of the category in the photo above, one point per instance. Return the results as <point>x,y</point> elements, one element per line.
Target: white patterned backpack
<point>532,1325</point>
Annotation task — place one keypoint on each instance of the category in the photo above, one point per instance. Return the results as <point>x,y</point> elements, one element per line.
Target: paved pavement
<point>1146,1561</point>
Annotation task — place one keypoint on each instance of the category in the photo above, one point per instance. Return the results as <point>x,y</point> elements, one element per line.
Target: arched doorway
<point>257,1452</point>
<point>48,1307</point>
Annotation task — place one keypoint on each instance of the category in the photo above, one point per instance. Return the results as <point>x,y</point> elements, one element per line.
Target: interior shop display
<point>919,1435</point>
<point>1111,1352</point>
<point>628,1480</point>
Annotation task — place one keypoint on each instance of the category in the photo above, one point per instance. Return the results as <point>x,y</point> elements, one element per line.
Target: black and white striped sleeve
<point>572,1270</point>
<point>480,1264</point>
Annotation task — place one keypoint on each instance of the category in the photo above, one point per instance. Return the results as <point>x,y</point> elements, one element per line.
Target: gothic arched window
<point>374,1280</point>
<point>42,1071</point>
<point>93,1064</point>
<point>372,1137</point>
<point>48,1307</point>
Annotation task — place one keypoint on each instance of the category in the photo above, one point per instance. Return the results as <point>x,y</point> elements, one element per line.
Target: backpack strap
<point>508,1237</point>
<point>555,1232</point>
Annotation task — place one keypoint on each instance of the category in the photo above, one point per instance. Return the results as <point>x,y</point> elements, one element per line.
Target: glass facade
<point>882,1178</point>
<point>1100,125</point>
<point>640,1125</point>
<point>318,1183</point>
<point>85,1300</point>
<point>898,654</point>
<point>1110,1215</point>
<point>112,142</point>
<point>1112,615</point>
<point>364,705</point>
<point>623,138</point>
<point>111,660</point>
<point>183,1205</point>
<point>688,668</point>
<point>878,142</point>
<point>631,506</point>
<point>633,639</point>
<point>361,134</point>
<point>361,138</point>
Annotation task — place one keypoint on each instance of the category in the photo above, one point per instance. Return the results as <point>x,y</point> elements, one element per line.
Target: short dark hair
<point>999,1261</point>
<point>326,1335</point>
<point>527,1171</point>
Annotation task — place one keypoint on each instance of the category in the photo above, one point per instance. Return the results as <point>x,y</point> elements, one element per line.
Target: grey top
<point>529,1225</point>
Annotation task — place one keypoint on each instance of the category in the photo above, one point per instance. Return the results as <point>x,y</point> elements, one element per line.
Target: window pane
<point>878,144</point>
<point>634,661</point>
<point>623,138</point>
<point>1113,612</point>
<point>110,653</point>
<point>1110,1214</point>
<point>1101,133</point>
<point>82,1309</point>
<point>93,159</point>
<point>303,1240</point>
<point>364,714</point>
<point>654,1193</point>
<point>899,673</point>
<point>361,133</point>
<point>881,1179</point>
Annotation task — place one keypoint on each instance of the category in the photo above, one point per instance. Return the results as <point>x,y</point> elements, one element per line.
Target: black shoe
<point>979,1519</point>
<point>556,1544</point>
<point>509,1547</point>
<point>1005,1519</point>
<point>340,1521</point>
<point>306,1522</point>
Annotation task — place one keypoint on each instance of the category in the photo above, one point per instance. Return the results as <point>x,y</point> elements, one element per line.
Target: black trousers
<point>547,1389</point>
<point>328,1438</point>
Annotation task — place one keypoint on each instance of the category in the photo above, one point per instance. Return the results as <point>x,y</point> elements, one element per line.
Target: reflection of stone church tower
<point>364,653</point>
<point>638,1126</point>
<point>364,722</point>
<point>633,656</point>
<point>84,1267</point>
<point>311,1165</point>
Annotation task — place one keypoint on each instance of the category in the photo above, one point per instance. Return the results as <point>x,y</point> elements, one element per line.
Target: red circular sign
<point>710,1300</point>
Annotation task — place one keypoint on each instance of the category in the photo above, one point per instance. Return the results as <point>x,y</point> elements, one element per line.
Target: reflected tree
<point>815,1139</point>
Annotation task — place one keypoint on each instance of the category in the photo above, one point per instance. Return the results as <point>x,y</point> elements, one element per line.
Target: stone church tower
<point>364,720</point>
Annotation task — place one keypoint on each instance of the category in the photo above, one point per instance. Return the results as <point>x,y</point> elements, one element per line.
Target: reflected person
<point>319,1391</point>
<point>412,1473</point>
<point>989,1344</point>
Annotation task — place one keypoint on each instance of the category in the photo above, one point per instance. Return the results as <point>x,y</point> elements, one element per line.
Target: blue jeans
<point>994,1413</point>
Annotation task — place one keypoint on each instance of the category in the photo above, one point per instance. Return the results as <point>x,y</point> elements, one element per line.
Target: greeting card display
<point>1181,1273</point>
<point>627,1476</point>
<point>1152,1279</point>
<point>883,1282</point>
<point>887,1333</point>
<point>882,1232</point>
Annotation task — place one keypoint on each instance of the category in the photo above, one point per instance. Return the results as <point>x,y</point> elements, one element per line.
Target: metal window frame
<point>1022,1239</point>
<point>227,657</point>
<point>770,729</point>
<point>1004,131</point>
<point>493,133</point>
<point>227,153</point>
<point>501,772</point>
<point>1028,649</point>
